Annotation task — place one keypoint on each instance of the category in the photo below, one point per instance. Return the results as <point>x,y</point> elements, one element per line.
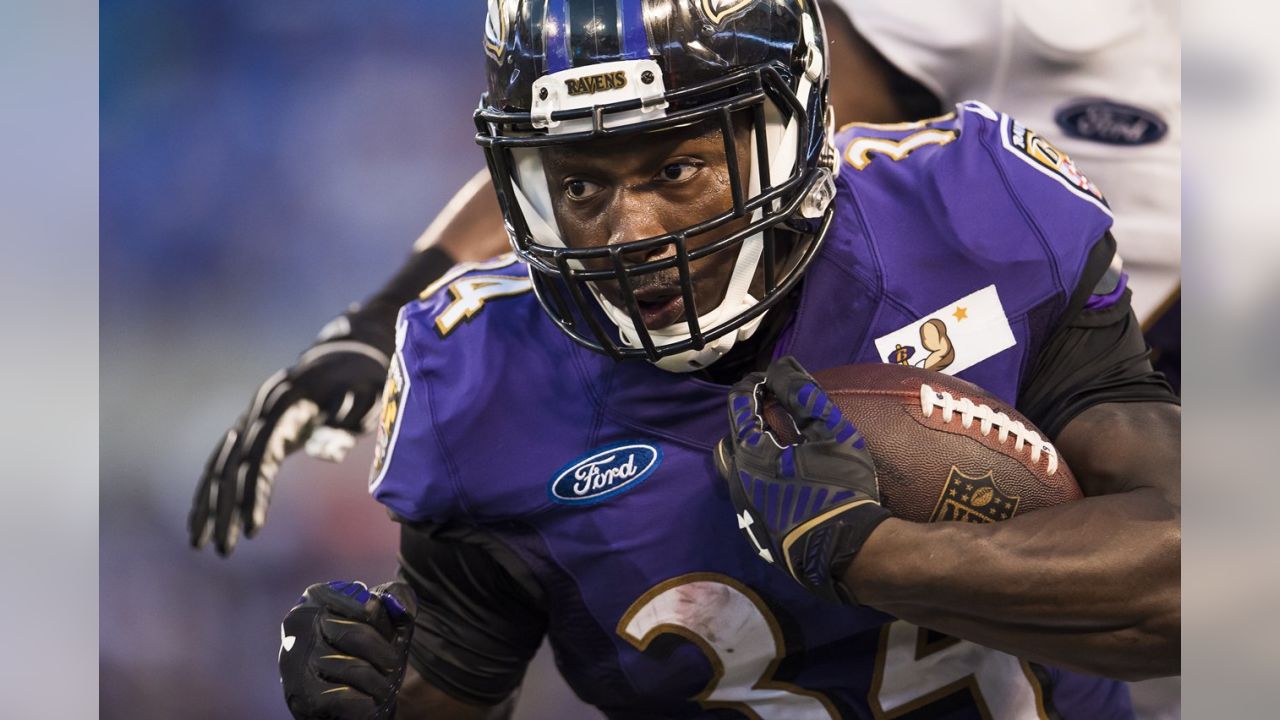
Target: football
<point>944,449</point>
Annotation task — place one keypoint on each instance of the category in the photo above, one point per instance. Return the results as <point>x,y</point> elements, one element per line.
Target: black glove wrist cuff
<point>856,527</point>
<point>419,271</point>
<point>373,321</point>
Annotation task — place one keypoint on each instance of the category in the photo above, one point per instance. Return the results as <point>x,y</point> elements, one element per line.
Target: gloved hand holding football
<point>806,505</point>
<point>811,459</point>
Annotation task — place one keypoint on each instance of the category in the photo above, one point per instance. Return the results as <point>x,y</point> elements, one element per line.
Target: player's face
<point>620,190</point>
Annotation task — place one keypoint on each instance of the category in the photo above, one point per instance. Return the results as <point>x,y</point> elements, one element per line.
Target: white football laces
<point>988,419</point>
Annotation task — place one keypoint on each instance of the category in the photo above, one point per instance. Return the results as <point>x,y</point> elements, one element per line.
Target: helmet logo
<point>497,24</point>
<point>717,11</point>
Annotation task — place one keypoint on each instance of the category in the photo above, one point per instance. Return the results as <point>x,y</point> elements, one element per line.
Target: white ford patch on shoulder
<point>604,472</point>
<point>952,338</point>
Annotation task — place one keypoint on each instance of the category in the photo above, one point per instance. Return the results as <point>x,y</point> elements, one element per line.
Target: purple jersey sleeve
<point>1066,209</point>
<point>970,197</point>
<point>409,475</point>
<point>482,396</point>
<point>442,402</point>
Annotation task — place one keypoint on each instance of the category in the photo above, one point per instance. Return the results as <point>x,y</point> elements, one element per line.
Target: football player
<point>553,432</point>
<point>325,399</point>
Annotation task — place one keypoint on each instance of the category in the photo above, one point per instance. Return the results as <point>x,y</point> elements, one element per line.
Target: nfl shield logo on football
<point>968,498</point>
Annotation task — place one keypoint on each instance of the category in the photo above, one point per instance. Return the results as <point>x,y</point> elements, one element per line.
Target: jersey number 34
<point>743,642</point>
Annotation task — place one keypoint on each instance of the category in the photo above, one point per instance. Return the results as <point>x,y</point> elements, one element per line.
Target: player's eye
<point>579,189</point>
<point>679,171</point>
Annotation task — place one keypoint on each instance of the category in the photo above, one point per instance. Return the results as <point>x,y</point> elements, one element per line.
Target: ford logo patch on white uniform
<point>1110,122</point>
<point>605,472</point>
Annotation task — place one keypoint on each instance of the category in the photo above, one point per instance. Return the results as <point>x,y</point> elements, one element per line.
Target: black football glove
<point>324,401</point>
<point>344,649</point>
<point>807,507</point>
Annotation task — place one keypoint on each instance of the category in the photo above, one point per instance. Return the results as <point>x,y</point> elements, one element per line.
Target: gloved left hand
<point>344,649</point>
<point>321,403</point>
<point>807,507</point>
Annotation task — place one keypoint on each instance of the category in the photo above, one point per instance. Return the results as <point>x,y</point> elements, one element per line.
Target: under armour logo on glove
<point>344,649</point>
<point>745,521</point>
<point>286,642</point>
<point>806,506</point>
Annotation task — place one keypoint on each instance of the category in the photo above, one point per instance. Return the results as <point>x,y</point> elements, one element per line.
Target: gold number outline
<point>475,297</point>
<point>765,681</point>
<point>859,153</point>
<point>969,682</point>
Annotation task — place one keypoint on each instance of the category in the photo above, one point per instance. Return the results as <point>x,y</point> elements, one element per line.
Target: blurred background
<point>263,165</point>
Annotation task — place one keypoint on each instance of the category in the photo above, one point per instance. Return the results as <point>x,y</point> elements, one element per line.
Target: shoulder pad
<point>431,368</point>
<point>1037,152</point>
<point>976,193</point>
<point>476,358</point>
<point>971,122</point>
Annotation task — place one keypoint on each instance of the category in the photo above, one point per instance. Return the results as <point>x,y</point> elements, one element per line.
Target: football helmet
<point>574,71</point>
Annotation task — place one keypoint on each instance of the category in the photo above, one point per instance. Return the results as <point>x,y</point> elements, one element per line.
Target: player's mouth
<point>660,308</point>
<point>659,298</point>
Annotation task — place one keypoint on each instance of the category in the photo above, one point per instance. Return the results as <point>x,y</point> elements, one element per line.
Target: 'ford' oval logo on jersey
<point>1110,122</point>
<point>606,472</point>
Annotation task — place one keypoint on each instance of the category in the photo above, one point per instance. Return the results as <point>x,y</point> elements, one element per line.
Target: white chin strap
<point>737,300</point>
<point>533,197</point>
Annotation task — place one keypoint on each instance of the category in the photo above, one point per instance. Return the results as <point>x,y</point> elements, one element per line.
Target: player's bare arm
<point>469,227</point>
<point>1093,585</point>
<point>419,699</point>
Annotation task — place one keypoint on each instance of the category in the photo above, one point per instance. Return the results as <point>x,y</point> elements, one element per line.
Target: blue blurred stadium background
<point>262,165</point>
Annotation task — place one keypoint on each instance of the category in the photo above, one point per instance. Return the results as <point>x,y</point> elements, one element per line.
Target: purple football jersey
<point>599,475</point>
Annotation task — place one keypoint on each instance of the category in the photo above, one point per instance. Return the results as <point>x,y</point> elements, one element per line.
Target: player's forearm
<point>468,229</point>
<point>1092,585</point>
<point>420,700</point>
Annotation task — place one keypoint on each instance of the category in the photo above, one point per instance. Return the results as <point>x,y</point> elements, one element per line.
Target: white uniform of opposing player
<point>1039,59</point>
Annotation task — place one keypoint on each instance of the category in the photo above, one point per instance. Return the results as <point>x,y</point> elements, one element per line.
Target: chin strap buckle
<point>820,195</point>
